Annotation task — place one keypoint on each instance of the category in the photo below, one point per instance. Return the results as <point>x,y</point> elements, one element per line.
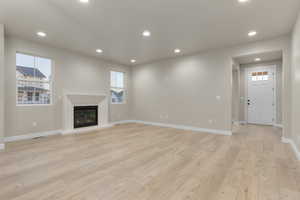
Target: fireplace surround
<point>72,101</point>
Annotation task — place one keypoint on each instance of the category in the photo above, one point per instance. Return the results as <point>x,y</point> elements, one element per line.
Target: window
<point>254,76</point>
<point>34,79</point>
<point>37,96</point>
<point>29,96</point>
<point>117,88</point>
<point>265,76</point>
<point>260,76</point>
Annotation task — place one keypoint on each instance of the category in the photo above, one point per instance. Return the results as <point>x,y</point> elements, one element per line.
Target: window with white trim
<point>34,80</point>
<point>260,76</point>
<point>117,87</point>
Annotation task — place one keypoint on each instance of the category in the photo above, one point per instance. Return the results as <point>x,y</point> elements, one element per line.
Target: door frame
<point>247,69</point>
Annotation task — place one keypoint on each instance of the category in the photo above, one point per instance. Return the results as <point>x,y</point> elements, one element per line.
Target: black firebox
<point>85,116</point>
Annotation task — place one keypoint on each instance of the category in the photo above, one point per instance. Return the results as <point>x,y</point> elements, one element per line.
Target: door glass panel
<point>253,78</point>
<point>259,78</point>
<point>265,76</point>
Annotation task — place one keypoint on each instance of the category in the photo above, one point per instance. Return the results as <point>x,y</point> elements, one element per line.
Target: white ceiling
<point>265,57</point>
<point>116,25</point>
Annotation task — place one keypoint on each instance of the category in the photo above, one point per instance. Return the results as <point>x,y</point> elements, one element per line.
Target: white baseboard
<point>293,145</point>
<point>239,122</point>
<point>235,122</point>
<point>50,133</point>
<point>85,130</point>
<point>123,122</point>
<point>89,129</point>
<point>31,136</point>
<point>182,127</point>
<point>278,125</point>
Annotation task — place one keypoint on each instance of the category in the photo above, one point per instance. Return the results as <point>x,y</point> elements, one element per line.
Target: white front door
<point>261,95</point>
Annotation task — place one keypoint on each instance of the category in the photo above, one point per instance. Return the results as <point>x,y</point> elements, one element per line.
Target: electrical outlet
<point>34,124</point>
<point>210,121</point>
<point>218,98</point>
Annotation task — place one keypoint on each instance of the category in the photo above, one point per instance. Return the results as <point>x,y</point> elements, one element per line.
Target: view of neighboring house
<point>117,95</point>
<point>117,84</point>
<point>32,85</point>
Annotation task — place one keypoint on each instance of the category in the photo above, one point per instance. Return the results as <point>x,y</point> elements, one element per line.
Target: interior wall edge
<point>2,84</point>
<point>293,146</point>
<point>181,127</point>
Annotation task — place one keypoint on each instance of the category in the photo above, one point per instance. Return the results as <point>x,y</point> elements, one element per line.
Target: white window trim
<point>50,82</point>
<point>125,88</point>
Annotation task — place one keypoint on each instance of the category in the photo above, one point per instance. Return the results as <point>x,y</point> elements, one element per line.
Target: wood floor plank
<point>142,162</point>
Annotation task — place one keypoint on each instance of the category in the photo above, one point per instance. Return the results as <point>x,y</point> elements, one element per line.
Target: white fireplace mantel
<point>86,99</point>
<point>81,99</point>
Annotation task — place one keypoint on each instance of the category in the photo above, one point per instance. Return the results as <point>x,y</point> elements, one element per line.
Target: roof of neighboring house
<point>30,71</point>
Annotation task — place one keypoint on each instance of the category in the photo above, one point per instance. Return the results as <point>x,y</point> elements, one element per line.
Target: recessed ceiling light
<point>146,33</point>
<point>252,33</point>
<point>177,51</point>
<point>99,50</point>
<point>243,1</point>
<point>41,34</point>
<point>83,1</point>
<point>132,61</point>
<point>257,59</point>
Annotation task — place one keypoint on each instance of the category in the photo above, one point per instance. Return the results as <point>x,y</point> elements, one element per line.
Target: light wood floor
<point>139,162</point>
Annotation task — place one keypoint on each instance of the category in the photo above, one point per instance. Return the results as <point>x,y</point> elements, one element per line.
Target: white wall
<point>295,136</point>
<point>183,90</point>
<point>73,72</point>
<point>1,83</point>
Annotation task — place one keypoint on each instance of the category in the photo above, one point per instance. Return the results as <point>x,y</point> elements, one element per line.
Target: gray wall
<point>243,89</point>
<point>179,91</point>
<point>183,90</point>
<point>73,72</point>
<point>295,136</point>
<point>235,92</point>
<point>242,112</point>
<point>1,83</point>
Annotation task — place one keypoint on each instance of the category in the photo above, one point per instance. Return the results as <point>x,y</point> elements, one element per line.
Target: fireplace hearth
<point>85,116</point>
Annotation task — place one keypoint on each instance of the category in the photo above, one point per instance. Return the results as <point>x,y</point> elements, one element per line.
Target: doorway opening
<point>257,89</point>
